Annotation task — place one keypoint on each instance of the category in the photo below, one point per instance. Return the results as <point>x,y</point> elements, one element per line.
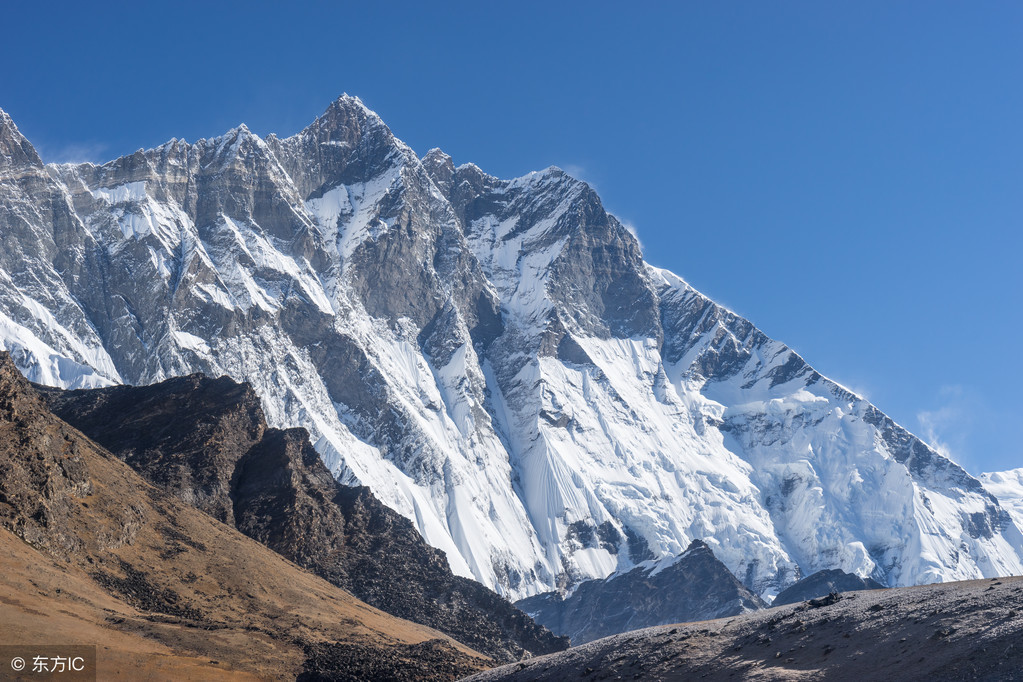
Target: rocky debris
<point>828,600</point>
<point>692,586</point>
<point>434,659</point>
<point>823,583</point>
<point>136,589</point>
<point>43,473</point>
<point>946,631</point>
<point>206,442</point>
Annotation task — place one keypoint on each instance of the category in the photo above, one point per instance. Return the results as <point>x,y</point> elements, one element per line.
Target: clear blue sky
<point>848,175</point>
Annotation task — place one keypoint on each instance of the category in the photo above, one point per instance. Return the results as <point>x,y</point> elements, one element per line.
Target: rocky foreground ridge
<point>969,630</point>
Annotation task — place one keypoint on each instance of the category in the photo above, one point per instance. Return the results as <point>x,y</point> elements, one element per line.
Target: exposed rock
<point>92,552</point>
<point>692,586</point>
<point>16,152</point>
<point>823,583</point>
<point>343,662</point>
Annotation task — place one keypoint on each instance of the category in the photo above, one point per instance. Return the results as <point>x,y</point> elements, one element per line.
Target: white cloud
<point>577,172</point>
<point>946,427</point>
<point>93,152</point>
<point>632,230</point>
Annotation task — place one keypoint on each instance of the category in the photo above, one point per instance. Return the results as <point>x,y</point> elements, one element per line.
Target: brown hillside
<point>92,554</point>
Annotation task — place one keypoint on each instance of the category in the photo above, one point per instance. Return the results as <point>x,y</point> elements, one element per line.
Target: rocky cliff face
<point>690,587</point>
<point>492,358</point>
<point>206,441</point>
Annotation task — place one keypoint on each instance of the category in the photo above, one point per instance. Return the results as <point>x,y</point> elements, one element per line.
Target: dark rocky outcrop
<point>343,662</point>
<point>692,586</point>
<point>206,441</point>
<point>823,583</point>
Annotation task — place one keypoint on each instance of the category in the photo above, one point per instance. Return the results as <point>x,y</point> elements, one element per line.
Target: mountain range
<point>492,358</point>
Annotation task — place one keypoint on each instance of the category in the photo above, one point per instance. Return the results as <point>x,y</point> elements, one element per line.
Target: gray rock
<point>823,583</point>
<point>693,586</point>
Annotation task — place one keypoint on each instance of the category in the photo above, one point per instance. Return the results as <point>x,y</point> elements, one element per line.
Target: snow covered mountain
<point>492,357</point>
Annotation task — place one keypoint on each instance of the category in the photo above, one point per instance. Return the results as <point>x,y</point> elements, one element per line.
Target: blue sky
<point>848,175</point>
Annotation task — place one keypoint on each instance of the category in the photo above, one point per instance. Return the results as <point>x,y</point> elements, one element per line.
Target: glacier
<point>493,358</point>
<point>1007,487</point>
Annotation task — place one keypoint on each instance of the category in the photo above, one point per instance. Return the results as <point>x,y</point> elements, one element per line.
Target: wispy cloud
<point>576,171</point>
<point>946,428</point>
<point>632,230</point>
<point>78,152</point>
<point>859,389</point>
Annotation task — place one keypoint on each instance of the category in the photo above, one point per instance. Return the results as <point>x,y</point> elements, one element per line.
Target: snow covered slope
<point>492,357</point>
<point>1007,487</point>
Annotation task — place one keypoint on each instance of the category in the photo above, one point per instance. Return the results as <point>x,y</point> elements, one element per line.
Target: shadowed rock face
<point>693,586</point>
<point>823,583</point>
<point>206,441</point>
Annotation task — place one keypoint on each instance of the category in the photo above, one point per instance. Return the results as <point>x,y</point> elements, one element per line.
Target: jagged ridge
<point>493,358</point>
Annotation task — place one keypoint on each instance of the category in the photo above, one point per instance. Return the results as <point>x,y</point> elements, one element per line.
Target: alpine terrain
<point>493,358</point>
<point>94,555</point>
<point>693,586</point>
<point>206,442</point>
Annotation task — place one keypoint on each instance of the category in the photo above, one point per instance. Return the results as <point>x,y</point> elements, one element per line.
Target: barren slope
<point>971,630</point>
<point>93,554</point>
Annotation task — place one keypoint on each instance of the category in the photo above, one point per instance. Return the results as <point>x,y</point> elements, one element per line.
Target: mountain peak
<point>694,585</point>
<point>15,150</point>
<point>437,156</point>
<point>697,544</point>
<point>440,168</point>
<point>349,101</point>
<point>346,115</point>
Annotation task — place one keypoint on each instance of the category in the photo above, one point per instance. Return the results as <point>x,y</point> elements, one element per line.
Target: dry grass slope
<point>92,554</point>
